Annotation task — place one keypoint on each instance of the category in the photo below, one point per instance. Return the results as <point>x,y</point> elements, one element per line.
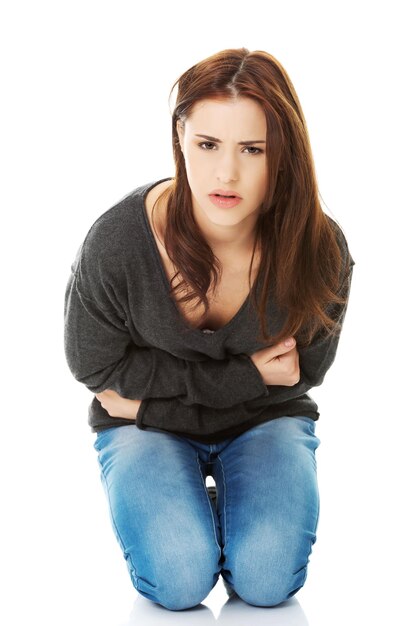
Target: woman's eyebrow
<point>241,143</point>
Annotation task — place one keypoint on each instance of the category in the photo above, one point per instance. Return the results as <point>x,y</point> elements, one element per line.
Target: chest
<point>232,289</point>
<point>224,303</point>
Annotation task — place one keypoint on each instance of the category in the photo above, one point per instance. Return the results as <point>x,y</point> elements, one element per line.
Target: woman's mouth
<point>224,201</point>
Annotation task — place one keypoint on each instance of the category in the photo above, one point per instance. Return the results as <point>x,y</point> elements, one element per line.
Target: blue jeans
<point>176,543</point>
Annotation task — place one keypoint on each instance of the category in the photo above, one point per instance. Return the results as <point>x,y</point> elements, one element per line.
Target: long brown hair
<point>304,259</point>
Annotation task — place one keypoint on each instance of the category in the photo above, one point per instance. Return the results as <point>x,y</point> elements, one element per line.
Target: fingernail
<point>289,342</point>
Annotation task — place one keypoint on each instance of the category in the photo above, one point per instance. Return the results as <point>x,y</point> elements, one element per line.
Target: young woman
<point>200,310</point>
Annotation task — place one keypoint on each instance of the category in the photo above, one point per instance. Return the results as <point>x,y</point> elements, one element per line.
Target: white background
<point>85,119</point>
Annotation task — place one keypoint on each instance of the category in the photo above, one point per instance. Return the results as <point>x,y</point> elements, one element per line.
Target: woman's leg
<point>268,506</point>
<point>161,514</point>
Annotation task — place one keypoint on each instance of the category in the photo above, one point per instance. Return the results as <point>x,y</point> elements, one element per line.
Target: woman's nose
<point>227,169</point>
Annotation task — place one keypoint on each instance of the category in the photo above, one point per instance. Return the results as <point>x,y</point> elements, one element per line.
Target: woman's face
<point>219,160</point>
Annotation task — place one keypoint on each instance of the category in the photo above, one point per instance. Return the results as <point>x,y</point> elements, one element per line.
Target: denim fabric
<point>177,541</point>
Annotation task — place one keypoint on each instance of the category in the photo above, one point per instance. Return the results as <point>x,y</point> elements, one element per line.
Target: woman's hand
<point>278,364</point>
<point>117,406</point>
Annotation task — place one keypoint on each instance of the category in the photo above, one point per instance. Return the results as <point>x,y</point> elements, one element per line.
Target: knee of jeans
<point>269,575</point>
<point>178,595</point>
<point>182,601</point>
<point>177,586</point>
<point>265,592</point>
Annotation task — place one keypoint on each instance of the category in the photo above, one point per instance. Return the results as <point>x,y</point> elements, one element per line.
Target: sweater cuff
<point>139,420</point>
<point>252,380</point>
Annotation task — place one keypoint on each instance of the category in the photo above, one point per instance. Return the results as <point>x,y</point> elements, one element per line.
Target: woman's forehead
<point>237,111</point>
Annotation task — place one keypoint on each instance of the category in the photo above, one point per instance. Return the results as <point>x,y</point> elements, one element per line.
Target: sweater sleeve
<point>317,358</point>
<point>101,354</point>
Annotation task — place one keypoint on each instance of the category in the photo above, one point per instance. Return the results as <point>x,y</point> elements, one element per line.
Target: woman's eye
<point>258,151</point>
<point>204,145</point>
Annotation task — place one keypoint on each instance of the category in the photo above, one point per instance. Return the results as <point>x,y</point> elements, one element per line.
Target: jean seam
<point>225,495</point>
<point>209,503</point>
<point>122,543</point>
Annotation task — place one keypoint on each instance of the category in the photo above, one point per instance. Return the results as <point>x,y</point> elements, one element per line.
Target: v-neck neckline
<point>204,332</point>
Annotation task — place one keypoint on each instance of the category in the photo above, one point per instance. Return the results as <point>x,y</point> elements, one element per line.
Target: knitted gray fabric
<point>122,331</point>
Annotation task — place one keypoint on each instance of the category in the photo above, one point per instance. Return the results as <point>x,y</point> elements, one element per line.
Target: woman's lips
<point>225,202</point>
<point>224,192</point>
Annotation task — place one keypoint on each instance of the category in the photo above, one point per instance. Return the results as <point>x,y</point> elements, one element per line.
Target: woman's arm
<point>314,362</point>
<point>101,355</point>
<point>274,371</point>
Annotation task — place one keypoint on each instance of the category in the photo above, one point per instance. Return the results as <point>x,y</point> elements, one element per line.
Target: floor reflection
<point>233,612</point>
<point>148,613</point>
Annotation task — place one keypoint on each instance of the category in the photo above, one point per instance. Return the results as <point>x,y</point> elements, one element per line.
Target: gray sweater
<point>122,331</point>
